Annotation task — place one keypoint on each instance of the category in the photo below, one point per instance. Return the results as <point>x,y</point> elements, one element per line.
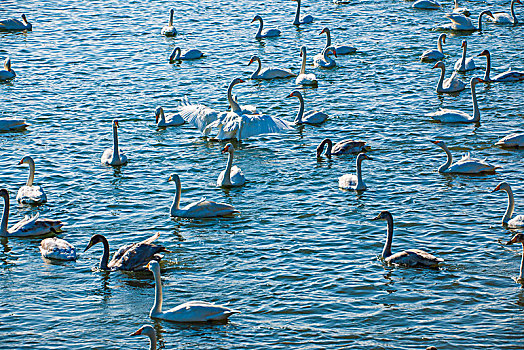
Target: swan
<point>519,238</point>
<point>506,18</point>
<point>510,75</point>
<point>455,116</point>
<point>426,5</point>
<point>57,249</point>
<point>200,209</point>
<point>461,10</point>
<point>30,194</point>
<point>266,33</point>
<point>466,165</point>
<point>517,221</point>
<point>131,257</point>
<point>342,49</point>
<point>269,73</point>
<point>341,147</point>
<point>310,117</point>
<point>462,23</point>
<point>452,84</point>
<point>11,124</point>
<point>27,227</point>
<point>14,25</point>
<point>192,311</point>
<point>169,30</point>
<point>435,55</point>
<point>303,78</point>
<point>150,332</point>
<point>8,73</point>
<point>410,257</point>
<point>354,182</point>
<point>305,20</point>
<point>192,54</point>
<point>163,121</point>
<point>114,156</point>
<point>515,140</point>
<point>464,64</point>
<point>231,176</point>
<point>323,60</point>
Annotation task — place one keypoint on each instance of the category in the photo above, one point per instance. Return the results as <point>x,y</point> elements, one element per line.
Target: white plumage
<point>232,176</point>
<point>30,194</point>
<point>14,25</point>
<point>434,55</point>
<point>269,73</point>
<point>114,156</point>
<point>466,165</point>
<point>178,55</point>
<point>354,181</point>
<point>264,33</point>
<point>451,84</point>
<point>518,220</point>
<point>57,249</point>
<point>7,73</point>
<point>169,30</point>
<point>515,140</point>
<point>165,120</point>
<point>309,117</point>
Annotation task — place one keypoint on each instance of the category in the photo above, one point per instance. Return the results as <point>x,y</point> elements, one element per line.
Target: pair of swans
<point>309,117</point>
<point>304,20</point>
<point>57,249</point>
<point>466,165</point>
<point>150,332</point>
<point>435,55</point>
<point>178,55</point>
<point>449,85</point>
<point>515,140</point>
<point>30,194</point>
<point>426,5</point>
<point>464,64</point>
<point>169,30</point>
<point>232,176</point>
<point>340,50</point>
<point>351,181</point>
<point>131,257</point>
<point>410,257</point>
<point>341,147</point>
<point>507,220</point>
<point>271,33</point>
<point>459,22</point>
<point>114,156</point>
<point>519,238</point>
<point>269,73</point>
<point>201,209</point>
<point>504,17</point>
<point>162,120</point>
<point>510,75</point>
<point>323,60</point>
<point>305,79</point>
<point>14,25</point>
<point>7,73</point>
<point>192,311</point>
<point>27,227</point>
<point>455,116</point>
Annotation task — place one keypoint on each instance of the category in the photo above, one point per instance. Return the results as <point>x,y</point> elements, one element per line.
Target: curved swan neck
<point>359,172</point>
<point>300,114</point>
<point>227,174</point>
<point>176,200</point>
<point>260,26</point>
<point>476,112</point>
<point>157,306</point>
<point>320,148</point>
<point>480,20</point>
<point>511,205</point>
<point>255,74</point>
<point>175,55</point>
<point>303,68</point>
<point>441,80</point>
<point>446,165</point>
<point>328,38</point>
<point>171,13</point>
<point>116,152</point>
<point>152,341</point>
<point>439,44</point>
<point>389,238</point>
<point>234,106</point>
<point>488,67</point>
<point>297,14</point>
<point>512,8</point>
<point>464,47</point>
<point>31,177</point>
<point>5,215</point>
<point>105,255</point>
<point>162,117</point>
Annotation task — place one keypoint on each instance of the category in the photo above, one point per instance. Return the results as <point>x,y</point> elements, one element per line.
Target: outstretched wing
<point>257,124</point>
<point>197,115</point>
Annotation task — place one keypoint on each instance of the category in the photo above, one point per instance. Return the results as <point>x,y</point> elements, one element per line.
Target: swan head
<point>228,148</point>
<point>518,238</point>
<point>324,30</point>
<point>4,193</point>
<point>173,54</point>
<point>7,64</point>
<point>474,81</point>
<point>145,330</point>
<point>237,81</point>
<point>331,49</point>
<point>153,266</point>
<point>302,51</point>
<point>115,123</point>
<point>384,215</point>
<point>253,59</point>
<point>159,111</point>
<point>442,37</point>
<point>26,160</point>
<point>256,18</point>
<point>503,186</point>
<point>174,177</point>
<point>295,93</point>
<point>439,64</point>
<point>484,53</point>
<point>320,148</point>
<point>440,143</point>
<point>94,240</point>
<point>464,44</point>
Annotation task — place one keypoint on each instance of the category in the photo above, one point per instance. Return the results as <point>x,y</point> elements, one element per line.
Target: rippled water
<point>301,260</point>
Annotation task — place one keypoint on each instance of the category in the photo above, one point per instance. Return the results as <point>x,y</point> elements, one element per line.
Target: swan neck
<point>176,200</point>
<point>31,177</point>
<point>488,68</point>
<point>480,21</point>
<point>446,165</point>
<point>511,206</point>
<point>303,68</point>
<point>255,74</point>
<point>441,80</point>
<point>234,106</point>
<point>116,152</point>
<point>227,174</point>
<point>464,56</point>
<point>328,39</point>
<point>157,306</point>
<point>515,20</point>
<point>105,255</point>
<point>5,216</point>
<point>439,45</point>
<point>389,238</point>
<point>300,114</point>
<point>260,26</point>
<point>359,172</point>
<point>162,117</point>
<point>171,18</point>
<point>522,264</point>
<point>476,112</point>
<point>329,147</point>
<point>297,14</point>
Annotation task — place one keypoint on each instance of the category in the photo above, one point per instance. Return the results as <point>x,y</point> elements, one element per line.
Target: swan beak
<point>376,217</point>
<point>116,123</point>
<point>241,81</point>
<point>253,20</point>
<point>435,66</point>
<point>225,149</point>
<point>322,32</point>
<point>170,178</point>
<point>20,163</point>
<point>496,189</point>
<point>368,157</point>
<point>290,95</point>
<point>513,240</point>
<point>138,332</point>
<point>335,53</point>
<point>435,142</point>
<point>148,265</point>
<point>250,61</point>
<point>88,246</point>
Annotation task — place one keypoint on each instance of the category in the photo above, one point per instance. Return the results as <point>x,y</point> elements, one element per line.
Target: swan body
<point>303,78</point>
<point>341,147</point>
<point>310,117</point>
<point>57,249</point>
<point>169,30</point>
<point>30,194</point>
<point>506,18</point>
<point>11,124</point>
<point>14,25</point>
<point>232,176</point>
<point>515,140</point>
<point>27,227</point>
<point>465,64</point>
<point>517,221</point>
<point>508,76</point>
<point>163,120</point>
<point>410,257</point>
<point>340,50</point>
<point>324,61</point>
<point>304,20</point>
<point>241,126</point>
<point>460,22</point>
<point>519,238</point>
<point>200,209</point>
<point>178,55</point>
<point>114,156</point>
<point>466,165</point>
<point>131,257</point>
<point>454,116</point>
<point>150,332</point>
<point>426,5</point>
<point>435,55</point>
<point>269,73</point>
<point>449,85</point>
<point>461,10</point>
<point>8,73</point>
<point>271,33</point>
<point>354,182</point>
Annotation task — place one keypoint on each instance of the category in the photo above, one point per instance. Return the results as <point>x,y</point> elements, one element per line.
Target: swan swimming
<point>271,33</point>
<point>30,194</point>
<point>303,78</point>
<point>515,140</point>
<point>310,117</point>
<point>465,64</point>
<point>269,73</point>
<point>8,73</point>
<point>462,23</point>
<point>466,165</point>
<point>341,147</point>
<point>510,75</point>
<point>351,181</point>
<point>517,221</point>
<point>169,30</point>
<point>449,85</point>
<point>162,120</point>
<point>178,55</point>
<point>323,60</point>
<point>340,50</point>
<point>57,249</point>
<point>435,55</point>
<point>14,25</point>
<point>426,5</point>
<point>232,176</point>
<point>506,18</point>
<point>150,332</point>
<point>114,156</point>
<point>305,20</point>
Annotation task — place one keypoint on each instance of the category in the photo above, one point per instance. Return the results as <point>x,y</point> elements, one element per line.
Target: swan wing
<point>314,117</point>
<point>469,165</point>
<point>58,249</point>
<point>31,195</point>
<point>270,33</point>
<point>206,209</point>
<point>450,116</point>
<point>348,181</point>
<point>237,176</point>
<point>510,75</point>
<point>517,221</point>
<point>430,55</point>
<point>34,226</point>
<point>136,256</point>
<point>197,115</point>
<point>501,18</point>
<point>512,140</point>
<point>306,79</point>
<point>348,146</point>
<point>459,20</point>
<point>273,73</point>
<point>257,124</point>
<point>192,54</point>
<point>11,24</point>
<point>414,258</point>
<point>198,311</point>
<point>453,83</point>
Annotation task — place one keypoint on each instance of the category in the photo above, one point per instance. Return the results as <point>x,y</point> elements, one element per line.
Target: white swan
<point>519,238</point>
<point>426,5</point>
<point>451,84</point>
<point>7,73</point>
<point>351,181</point>
<point>303,78</point>
<point>57,249</point>
<point>114,156</point>
<point>178,55</point>
<point>506,18</point>
<point>192,311</point>
<point>510,75</point>
<point>232,176</point>
<point>169,30</point>
<point>324,61</point>
<point>462,23</point>
<point>410,257</point>
<point>269,73</point>
<point>310,117</point>
<point>14,25</point>
<point>455,116</point>
<point>515,140</point>
<point>27,227</point>
<point>305,20</point>
<point>150,332</point>
<point>435,55</point>
<point>342,49</point>
<point>266,33</point>
<point>517,221</point>
<point>162,120</point>
<point>464,64</point>
<point>12,124</point>
<point>466,165</point>
<point>200,209</point>
<point>460,10</point>
<point>341,147</point>
<point>30,194</point>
